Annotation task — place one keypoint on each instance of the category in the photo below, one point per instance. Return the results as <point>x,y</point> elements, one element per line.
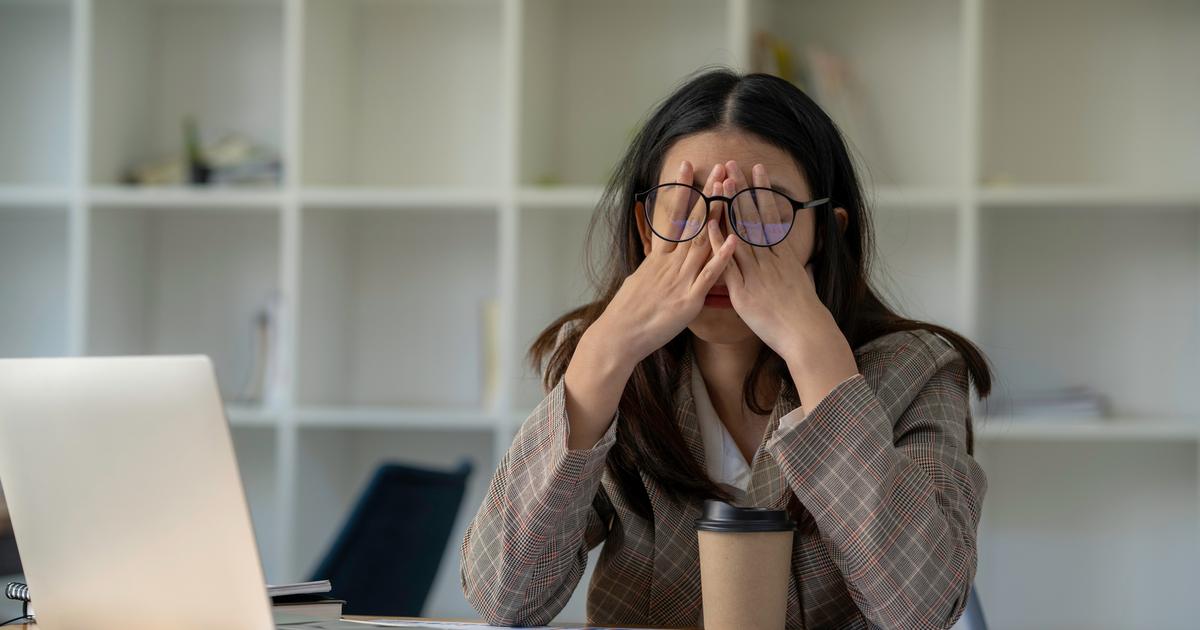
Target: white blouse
<point>723,460</point>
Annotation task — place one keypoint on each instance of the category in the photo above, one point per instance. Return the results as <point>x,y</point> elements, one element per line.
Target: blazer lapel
<point>767,486</point>
<point>675,580</point>
<point>686,419</point>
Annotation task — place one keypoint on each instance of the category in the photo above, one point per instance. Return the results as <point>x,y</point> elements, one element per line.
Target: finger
<point>715,267</point>
<point>698,254</point>
<point>670,210</point>
<point>745,256</point>
<point>750,223</point>
<point>776,218</point>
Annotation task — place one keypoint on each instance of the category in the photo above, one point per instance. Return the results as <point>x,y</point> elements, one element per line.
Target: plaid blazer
<point>891,498</point>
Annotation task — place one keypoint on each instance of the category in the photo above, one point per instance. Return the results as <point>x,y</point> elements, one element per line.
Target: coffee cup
<point>745,556</point>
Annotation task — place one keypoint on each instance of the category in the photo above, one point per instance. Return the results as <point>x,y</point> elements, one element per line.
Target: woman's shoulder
<point>900,343</point>
<point>903,361</point>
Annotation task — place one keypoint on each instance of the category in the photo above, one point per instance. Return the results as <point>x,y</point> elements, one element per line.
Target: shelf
<point>573,130</point>
<point>350,198</point>
<point>402,93</point>
<point>568,198</point>
<point>1088,197</point>
<point>35,101</point>
<point>185,198</point>
<point>933,200</point>
<point>33,282</point>
<point>432,418</point>
<point>182,282</point>
<point>1097,92</point>
<point>909,130</point>
<point>31,197</point>
<point>156,62</point>
<point>391,306</point>
<point>1005,429</point>
<point>251,416</point>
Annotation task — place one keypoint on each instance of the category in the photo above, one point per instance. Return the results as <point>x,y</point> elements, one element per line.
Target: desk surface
<point>367,618</point>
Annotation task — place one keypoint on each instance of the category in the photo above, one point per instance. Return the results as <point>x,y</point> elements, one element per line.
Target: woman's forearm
<point>595,380</point>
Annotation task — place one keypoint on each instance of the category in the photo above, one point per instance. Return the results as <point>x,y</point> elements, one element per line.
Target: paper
<point>354,624</point>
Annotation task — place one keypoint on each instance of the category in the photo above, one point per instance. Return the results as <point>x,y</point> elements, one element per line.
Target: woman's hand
<point>654,303</point>
<point>666,292</point>
<point>773,291</point>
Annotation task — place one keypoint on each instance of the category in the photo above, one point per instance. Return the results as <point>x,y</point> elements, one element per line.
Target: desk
<point>357,617</point>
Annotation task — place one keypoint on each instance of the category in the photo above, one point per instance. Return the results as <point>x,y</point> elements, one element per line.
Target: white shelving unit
<point>1040,197</point>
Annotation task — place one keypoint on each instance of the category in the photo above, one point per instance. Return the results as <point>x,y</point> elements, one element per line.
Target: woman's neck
<point>724,368</point>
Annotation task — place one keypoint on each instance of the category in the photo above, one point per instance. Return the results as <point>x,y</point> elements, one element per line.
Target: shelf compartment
<point>550,280</point>
<point>1107,299</point>
<point>402,93</point>
<point>154,62</point>
<point>188,281</point>
<point>574,127</point>
<point>391,306</point>
<point>35,102</point>
<point>256,451</point>
<point>916,269</point>
<point>909,126</point>
<point>1064,512</point>
<point>334,466</point>
<point>1096,93</point>
<point>33,282</point>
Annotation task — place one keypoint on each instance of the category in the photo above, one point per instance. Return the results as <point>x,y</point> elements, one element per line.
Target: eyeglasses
<point>759,216</point>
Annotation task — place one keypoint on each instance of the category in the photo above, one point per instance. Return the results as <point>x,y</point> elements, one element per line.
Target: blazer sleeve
<point>899,505</point>
<point>525,550</point>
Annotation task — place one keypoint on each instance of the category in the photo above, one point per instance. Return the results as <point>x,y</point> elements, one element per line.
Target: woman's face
<point>705,150</point>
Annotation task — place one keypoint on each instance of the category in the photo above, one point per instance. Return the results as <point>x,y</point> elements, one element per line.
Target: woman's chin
<point>720,325</point>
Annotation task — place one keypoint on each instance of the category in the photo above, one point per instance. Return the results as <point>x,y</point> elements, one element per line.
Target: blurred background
<point>364,210</point>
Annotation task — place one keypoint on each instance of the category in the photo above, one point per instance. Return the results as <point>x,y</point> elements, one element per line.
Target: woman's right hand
<point>666,292</point>
<point>654,303</point>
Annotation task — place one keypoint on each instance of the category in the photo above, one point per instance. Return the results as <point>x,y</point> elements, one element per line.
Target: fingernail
<point>682,167</point>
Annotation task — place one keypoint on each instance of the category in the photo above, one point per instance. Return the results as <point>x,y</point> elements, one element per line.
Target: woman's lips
<point>716,300</point>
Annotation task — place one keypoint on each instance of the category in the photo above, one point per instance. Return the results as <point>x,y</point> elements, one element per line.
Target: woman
<point>759,322</point>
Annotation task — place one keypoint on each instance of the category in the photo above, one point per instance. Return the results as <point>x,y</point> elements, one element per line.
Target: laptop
<point>125,496</point>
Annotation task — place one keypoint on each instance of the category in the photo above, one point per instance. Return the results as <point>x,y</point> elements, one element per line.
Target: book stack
<point>304,601</point>
<point>1078,403</point>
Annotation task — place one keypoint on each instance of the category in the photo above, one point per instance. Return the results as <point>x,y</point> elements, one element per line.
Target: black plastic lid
<point>722,517</point>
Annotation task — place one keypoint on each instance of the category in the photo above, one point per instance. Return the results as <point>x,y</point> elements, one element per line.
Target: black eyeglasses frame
<point>797,206</point>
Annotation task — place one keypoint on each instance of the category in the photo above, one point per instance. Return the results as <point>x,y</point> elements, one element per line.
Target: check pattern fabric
<point>891,502</point>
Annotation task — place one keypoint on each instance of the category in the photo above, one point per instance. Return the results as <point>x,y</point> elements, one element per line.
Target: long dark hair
<point>781,114</point>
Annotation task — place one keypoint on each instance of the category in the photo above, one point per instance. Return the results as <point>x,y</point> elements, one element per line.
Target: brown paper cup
<point>745,554</point>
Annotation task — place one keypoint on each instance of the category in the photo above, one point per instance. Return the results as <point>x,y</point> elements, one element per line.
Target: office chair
<point>386,557</point>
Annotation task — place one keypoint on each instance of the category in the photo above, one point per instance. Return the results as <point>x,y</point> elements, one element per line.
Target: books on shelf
<point>1072,403</point>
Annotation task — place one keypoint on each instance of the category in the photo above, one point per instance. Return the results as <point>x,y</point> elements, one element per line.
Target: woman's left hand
<point>774,291</point>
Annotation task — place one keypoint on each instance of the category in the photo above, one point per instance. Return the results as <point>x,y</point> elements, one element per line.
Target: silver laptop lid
<point>125,495</point>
